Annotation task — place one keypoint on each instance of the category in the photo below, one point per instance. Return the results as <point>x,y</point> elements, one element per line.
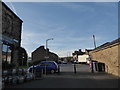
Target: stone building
<point>40,54</point>
<point>10,36</point>
<point>108,54</point>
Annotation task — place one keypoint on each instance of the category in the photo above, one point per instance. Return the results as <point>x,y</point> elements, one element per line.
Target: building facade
<point>10,36</point>
<point>40,54</point>
<point>108,54</point>
<point>76,53</point>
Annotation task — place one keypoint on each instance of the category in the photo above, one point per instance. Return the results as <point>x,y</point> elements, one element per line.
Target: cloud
<point>14,10</point>
<point>31,40</point>
<point>63,53</point>
<point>34,39</point>
<point>66,39</point>
<point>78,7</point>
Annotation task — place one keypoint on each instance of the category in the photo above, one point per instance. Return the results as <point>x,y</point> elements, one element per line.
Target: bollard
<point>58,68</point>
<point>74,68</point>
<point>91,66</point>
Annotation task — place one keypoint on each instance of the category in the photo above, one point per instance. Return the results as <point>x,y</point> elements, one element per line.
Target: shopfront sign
<point>8,39</point>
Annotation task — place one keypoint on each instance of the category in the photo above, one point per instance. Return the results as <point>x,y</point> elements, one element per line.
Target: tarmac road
<point>68,79</point>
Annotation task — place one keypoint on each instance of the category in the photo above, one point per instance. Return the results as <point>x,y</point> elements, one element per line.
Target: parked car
<point>64,62</point>
<point>59,62</point>
<point>51,67</point>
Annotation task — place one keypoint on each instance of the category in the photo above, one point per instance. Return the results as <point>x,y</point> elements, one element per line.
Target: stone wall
<point>39,54</point>
<point>11,31</point>
<point>11,24</point>
<point>110,57</point>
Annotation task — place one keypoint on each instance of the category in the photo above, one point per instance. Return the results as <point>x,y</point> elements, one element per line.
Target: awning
<point>8,39</point>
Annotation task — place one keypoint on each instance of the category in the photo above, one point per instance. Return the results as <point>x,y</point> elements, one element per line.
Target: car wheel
<point>52,71</point>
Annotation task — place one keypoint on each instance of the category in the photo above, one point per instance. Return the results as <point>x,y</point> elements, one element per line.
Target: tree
<point>22,57</point>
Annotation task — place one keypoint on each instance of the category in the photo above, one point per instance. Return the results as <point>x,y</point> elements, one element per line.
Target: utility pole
<point>94,41</point>
<point>91,60</point>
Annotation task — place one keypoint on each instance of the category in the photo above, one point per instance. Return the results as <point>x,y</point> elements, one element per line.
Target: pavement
<point>68,79</point>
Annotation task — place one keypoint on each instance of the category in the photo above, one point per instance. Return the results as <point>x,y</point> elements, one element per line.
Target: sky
<point>70,24</point>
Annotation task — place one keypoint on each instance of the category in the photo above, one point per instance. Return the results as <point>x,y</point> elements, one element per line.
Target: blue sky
<point>71,24</point>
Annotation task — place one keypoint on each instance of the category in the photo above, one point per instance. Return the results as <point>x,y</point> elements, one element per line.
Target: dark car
<point>48,66</point>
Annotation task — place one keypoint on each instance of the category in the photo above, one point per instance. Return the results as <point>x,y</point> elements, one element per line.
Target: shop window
<point>6,53</point>
<point>9,54</point>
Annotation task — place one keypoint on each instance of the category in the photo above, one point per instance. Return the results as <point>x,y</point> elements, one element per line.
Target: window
<point>47,64</point>
<point>6,53</point>
<point>9,54</point>
<point>42,64</point>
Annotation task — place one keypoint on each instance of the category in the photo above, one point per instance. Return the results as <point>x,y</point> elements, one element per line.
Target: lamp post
<point>46,47</point>
<point>47,51</point>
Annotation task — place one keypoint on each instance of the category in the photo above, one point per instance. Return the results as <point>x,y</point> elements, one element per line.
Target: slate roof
<point>108,44</point>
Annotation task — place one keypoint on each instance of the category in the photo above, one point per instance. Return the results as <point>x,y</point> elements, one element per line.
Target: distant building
<point>11,36</point>
<point>76,53</point>
<point>40,54</point>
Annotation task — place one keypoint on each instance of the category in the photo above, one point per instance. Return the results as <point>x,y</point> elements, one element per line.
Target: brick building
<point>108,54</point>
<point>40,54</point>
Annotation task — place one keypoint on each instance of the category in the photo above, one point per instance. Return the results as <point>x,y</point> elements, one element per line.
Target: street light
<point>47,51</point>
<point>46,46</point>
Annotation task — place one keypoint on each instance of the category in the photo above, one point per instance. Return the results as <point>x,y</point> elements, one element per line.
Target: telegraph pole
<point>95,48</point>
<point>94,41</point>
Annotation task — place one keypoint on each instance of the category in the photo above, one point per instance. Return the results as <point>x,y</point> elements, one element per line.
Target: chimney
<point>47,50</point>
<point>80,50</point>
<point>42,47</point>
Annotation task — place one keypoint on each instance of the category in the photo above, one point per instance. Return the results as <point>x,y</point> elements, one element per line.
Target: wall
<point>11,24</point>
<point>110,57</point>
<point>40,54</point>
<point>11,31</point>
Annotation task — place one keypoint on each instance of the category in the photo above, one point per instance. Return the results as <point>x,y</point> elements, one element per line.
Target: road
<point>68,79</point>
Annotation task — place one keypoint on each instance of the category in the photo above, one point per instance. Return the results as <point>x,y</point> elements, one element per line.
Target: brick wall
<point>110,57</point>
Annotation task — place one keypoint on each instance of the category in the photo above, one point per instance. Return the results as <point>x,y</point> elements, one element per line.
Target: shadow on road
<point>68,79</point>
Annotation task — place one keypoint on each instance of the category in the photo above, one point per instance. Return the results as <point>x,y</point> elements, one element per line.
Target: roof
<point>108,44</point>
<point>88,50</point>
